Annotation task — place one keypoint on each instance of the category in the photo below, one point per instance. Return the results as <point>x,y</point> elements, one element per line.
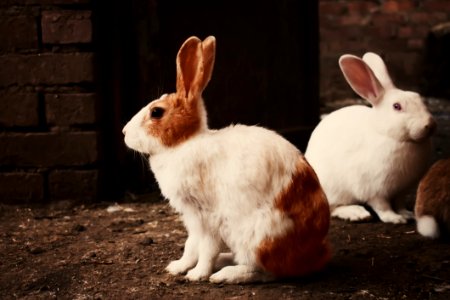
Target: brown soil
<point>85,252</point>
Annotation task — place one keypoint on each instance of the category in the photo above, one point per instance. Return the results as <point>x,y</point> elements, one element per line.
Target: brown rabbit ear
<point>195,61</point>
<point>209,54</point>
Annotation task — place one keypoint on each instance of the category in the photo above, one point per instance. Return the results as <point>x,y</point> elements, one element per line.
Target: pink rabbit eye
<point>397,106</point>
<point>157,112</point>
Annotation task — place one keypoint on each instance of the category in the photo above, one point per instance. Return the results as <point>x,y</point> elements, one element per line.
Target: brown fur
<point>184,109</point>
<point>305,248</point>
<point>433,194</point>
<point>181,121</point>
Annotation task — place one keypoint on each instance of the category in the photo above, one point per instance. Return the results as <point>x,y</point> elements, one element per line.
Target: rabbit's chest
<point>183,182</point>
<point>399,164</point>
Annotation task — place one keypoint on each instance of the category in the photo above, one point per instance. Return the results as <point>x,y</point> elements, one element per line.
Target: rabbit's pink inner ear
<point>189,66</point>
<point>361,78</point>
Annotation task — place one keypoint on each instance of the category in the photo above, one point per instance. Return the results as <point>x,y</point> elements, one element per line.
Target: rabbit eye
<point>157,112</point>
<point>397,106</point>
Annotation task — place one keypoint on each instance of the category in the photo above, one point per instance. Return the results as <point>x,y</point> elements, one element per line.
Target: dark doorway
<point>266,69</point>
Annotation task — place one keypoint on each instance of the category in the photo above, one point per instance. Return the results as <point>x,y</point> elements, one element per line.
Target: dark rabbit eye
<point>397,106</point>
<point>157,112</point>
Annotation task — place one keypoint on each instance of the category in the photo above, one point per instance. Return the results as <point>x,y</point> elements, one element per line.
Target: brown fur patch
<point>181,120</point>
<point>304,249</point>
<point>433,194</point>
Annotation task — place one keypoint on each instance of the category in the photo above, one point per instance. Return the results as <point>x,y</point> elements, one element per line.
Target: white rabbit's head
<point>399,114</point>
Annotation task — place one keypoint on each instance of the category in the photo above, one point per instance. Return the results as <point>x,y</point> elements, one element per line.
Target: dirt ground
<point>65,251</point>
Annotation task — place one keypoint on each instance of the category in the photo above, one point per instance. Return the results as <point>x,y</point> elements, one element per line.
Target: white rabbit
<point>243,187</point>
<point>368,155</point>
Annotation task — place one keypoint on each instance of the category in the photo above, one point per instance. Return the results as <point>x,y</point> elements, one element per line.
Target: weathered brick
<point>18,32</point>
<point>73,184</point>
<point>70,109</point>
<point>352,20</point>
<point>438,17</point>
<point>48,149</point>
<point>394,6</point>
<point>66,27</point>
<point>405,65</point>
<point>386,32</point>
<point>421,32</point>
<point>48,68</point>
<point>416,44</point>
<point>405,32</point>
<point>19,109</point>
<point>332,8</point>
<point>380,19</point>
<point>386,45</point>
<point>361,7</point>
<point>21,187</point>
<point>437,5</point>
<point>420,17</point>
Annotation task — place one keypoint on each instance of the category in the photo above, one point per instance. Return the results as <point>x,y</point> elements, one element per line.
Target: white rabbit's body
<point>244,187</point>
<point>365,166</point>
<point>368,155</point>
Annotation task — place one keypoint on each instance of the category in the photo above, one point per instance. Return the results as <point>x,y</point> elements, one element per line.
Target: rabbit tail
<point>427,226</point>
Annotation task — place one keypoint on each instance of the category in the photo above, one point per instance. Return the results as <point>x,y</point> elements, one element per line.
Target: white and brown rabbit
<point>433,201</point>
<point>243,187</point>
<point>369,155</point>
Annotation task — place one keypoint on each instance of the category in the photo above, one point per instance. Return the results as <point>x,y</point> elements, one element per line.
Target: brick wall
<point>396,29</point>
<point>48,121</point>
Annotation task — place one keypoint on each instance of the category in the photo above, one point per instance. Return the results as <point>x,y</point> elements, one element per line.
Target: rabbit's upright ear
<point>361,78</point>
<point>209,55</point>
<point>195,61</point>
<point>376,63</point>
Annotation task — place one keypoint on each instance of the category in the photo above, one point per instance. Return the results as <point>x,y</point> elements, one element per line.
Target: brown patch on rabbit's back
<point>181,120</point>
<point>304,248</point>
<point>433,193</point>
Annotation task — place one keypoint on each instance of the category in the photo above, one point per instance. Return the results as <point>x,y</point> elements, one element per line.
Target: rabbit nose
<point>124,131</point>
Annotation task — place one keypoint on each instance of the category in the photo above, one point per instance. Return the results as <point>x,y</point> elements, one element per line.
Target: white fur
<point>352,213</point>
<point>224,183</point>
<point>137,138</point>
<point>240,274</point>
<point>427,226</point>
<point>369,155</point>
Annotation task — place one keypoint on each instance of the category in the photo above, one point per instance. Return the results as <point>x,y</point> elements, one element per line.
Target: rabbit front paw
<point>407,214</point>
<point>391,217</point>
<point>351,213</point>
<point>240,274</point>
<point>179,266</point>
<point>198,274</point>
